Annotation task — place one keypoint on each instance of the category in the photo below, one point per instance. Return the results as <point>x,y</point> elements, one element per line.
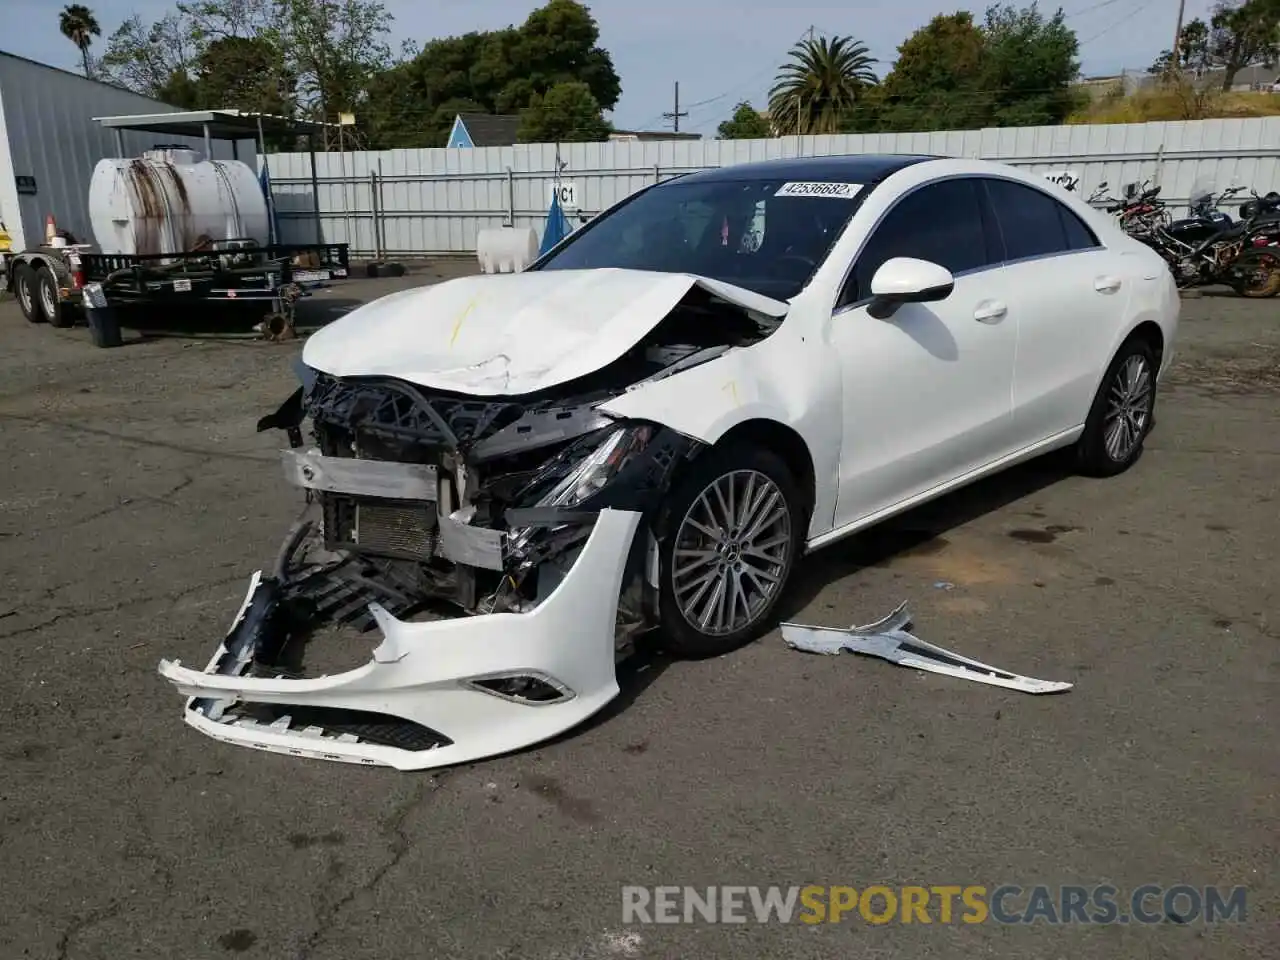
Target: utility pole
<point>1175,65</point>
<point>675,115</point>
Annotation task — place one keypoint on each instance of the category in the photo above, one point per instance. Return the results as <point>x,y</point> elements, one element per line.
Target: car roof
<point>850,168</point>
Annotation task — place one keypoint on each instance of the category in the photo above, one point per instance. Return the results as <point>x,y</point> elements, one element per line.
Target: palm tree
<point>80,26</point>
<point>813,93</point>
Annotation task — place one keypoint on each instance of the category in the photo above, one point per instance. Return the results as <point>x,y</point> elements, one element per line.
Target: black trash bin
<point>104,326</point>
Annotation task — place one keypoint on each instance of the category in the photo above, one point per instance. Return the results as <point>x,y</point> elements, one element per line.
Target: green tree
<point>745,124</point>
<point>313,58</point>
<point>334,47</point>
<point>244,74</point>
<point>151,58</point>
<point>80,26</point>
<point>1244,35</point>
<point>500,71</point>
<point>820,85</point>
<point>1193,50</point>
<point>1028,63</point>
<point>567,112</point>
<point>936,82</point>
<point>1014,69</point>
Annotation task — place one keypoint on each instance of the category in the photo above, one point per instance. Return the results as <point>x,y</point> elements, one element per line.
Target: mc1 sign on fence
<point>567,194</point>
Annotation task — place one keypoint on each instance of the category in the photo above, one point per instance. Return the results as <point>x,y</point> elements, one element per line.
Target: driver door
<point>927,393</point>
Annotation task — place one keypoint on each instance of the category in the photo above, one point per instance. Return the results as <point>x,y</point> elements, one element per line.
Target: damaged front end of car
<point>504,547</point>
<point>500,546</point>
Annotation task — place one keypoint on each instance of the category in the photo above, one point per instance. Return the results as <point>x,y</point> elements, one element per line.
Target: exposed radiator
<point>406,531</point>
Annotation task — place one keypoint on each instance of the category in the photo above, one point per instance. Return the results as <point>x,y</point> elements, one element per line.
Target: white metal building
<point>49,145</point>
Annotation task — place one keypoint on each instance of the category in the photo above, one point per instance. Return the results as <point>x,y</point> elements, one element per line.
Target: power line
<point>1127,17</point>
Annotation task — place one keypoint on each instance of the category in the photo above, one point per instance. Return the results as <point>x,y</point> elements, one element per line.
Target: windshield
<point>769,236</point>
<point>1202,194</point>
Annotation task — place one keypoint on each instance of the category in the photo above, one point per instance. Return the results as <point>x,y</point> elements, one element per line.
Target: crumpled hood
<point>509,334</point>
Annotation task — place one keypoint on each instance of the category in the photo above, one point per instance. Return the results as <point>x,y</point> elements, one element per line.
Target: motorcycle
<point>1209,247</point>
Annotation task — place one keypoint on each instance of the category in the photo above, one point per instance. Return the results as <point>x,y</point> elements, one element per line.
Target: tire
<point>24,289</point>
<point>1269,286</point>
<point>55,311</point>
<point>1129,384</point>
<point>752,470</point>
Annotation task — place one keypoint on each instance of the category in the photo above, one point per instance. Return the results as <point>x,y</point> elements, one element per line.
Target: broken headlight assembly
<point>595,471</point>
<point>574,478</point>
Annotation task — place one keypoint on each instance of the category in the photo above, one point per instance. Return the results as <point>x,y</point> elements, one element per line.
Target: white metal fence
<point>417,202</point>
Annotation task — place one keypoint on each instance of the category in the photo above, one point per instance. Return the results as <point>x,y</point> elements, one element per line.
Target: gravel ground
<point>136,497</point>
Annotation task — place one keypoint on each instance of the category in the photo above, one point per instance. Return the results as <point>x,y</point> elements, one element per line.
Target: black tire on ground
<point>765,471</point>
<point>24,289</point>
<point>47,286</point>
<point>1127,393</point>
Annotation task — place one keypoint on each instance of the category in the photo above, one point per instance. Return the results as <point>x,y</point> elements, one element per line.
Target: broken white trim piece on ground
<point>889,640</point>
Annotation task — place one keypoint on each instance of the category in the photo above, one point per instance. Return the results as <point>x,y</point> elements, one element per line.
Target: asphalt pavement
<point>136,497</point>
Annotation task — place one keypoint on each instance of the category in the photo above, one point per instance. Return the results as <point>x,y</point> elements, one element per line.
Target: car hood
<point>510,334</point>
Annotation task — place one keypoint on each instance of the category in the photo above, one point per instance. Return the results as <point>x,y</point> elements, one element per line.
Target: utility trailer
<point>49,280</point>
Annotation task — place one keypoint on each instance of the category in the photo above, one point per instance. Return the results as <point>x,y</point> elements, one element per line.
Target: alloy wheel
<point>731,552</point>
<point>1128,408</point>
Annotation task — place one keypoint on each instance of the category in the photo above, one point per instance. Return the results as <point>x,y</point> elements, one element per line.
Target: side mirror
<point>907,280</point>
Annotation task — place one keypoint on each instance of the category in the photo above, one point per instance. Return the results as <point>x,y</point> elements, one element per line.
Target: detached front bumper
<point>426,677</point>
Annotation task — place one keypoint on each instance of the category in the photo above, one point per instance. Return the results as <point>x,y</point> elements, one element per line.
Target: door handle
<point>990,311</point>
<point>1106,284</point>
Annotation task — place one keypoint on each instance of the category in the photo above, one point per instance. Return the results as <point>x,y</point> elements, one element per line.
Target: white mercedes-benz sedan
<point>508,477</point>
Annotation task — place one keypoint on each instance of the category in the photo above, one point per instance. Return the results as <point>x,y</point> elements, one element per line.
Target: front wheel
<point>1122,412</point>
<point>733,532</point>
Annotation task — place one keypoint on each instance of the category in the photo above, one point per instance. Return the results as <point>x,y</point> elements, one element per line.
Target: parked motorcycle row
<point>1208,247</point>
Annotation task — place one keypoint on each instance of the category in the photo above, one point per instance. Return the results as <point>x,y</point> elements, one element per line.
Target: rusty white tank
<point>172,201</point>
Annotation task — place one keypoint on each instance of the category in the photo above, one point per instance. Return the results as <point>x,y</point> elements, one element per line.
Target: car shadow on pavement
<point>920,531</point>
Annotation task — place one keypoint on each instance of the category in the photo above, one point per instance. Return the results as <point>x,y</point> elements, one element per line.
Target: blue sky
<point>721,51</point>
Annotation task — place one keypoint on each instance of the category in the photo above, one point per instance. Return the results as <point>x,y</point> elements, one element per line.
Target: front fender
<point>753,383</point>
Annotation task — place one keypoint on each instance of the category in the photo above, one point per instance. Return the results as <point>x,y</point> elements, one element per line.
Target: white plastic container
<point>173,202</point>
<point>506,249</point>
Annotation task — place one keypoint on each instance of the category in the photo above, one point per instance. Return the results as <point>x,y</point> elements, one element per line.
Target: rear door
<point>1071,294</point>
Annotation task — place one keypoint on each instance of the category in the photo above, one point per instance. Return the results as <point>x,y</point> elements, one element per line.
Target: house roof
<point>491,129</point>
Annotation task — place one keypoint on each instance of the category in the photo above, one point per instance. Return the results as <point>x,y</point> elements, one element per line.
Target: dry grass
<point>1176,100</point>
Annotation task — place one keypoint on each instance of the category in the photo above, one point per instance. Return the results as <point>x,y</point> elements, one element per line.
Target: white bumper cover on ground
<point>421,672</point>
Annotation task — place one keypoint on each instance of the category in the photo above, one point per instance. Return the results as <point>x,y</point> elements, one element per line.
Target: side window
<point>940,222</point>
<point>1079,236</point>
<point>1033,223</point>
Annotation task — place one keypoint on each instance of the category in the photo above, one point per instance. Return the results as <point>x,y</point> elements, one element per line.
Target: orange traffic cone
<point>50,229</point>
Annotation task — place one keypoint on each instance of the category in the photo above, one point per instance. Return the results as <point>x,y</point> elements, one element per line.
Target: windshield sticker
<point>834,191</point>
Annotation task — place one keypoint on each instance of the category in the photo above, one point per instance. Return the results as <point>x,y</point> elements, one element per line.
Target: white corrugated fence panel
<point>436,200</point>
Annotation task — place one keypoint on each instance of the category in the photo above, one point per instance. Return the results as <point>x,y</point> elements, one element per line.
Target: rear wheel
<point>734,528</point>
<point>24,288</point>
<point>1257,274</point>
<point>1122,412</point>
<point>56,312</point>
